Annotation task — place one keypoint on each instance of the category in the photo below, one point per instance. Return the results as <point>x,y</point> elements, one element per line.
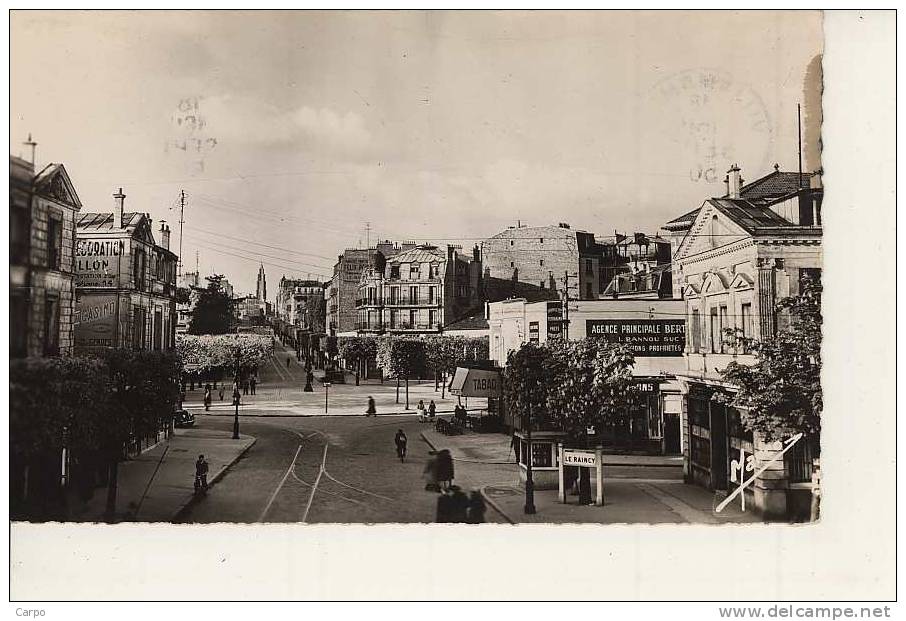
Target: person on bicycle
<point>201,473</point>
<point>400,440</point>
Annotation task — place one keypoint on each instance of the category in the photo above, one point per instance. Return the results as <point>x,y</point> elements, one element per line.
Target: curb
<point>217,477</point>
<point>494,505</point>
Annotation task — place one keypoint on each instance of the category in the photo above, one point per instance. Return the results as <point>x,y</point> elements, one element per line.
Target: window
<point>394,295</point>
<point>413,295</point>
<point>747,327</point>
<point>413,318</point>
<point>393,318</point>
<point>696,331</point>
<point>541,262</point>
<point>512,264</point>
<point>432,318</point>
<point>588,266</point>
<point>542,240</point>
<point>588,291</point>
<point>18,325</point>
<point>138,327</point>
<point>51,325</point>
<point>18,235</point>
<point>511,242</point>
<point>715,332</point>
<point>138,269</point>
<point>394,271</point>
<point>158,328</point>
<point>724,324</point>
<point>54,241</point>
<point>431,295</point>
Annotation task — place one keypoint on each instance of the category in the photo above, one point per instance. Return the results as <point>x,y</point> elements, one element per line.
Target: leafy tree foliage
<point>101,405</point>
<point>780,395</point>
<point>217,354</point>
<point>213,313</point>
<point>525,382</point>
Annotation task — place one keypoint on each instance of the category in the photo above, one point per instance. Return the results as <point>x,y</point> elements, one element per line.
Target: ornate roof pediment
<point>691,290</point>
<point>53,182</point>
<point>714,282</point>
<point>742,281</point>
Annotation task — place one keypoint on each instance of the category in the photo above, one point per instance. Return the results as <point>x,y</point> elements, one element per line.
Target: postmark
<point>709,137</point>
<point>190,139</point>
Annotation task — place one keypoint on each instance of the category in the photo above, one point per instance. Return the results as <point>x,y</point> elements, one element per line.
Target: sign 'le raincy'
<point>646,337</point>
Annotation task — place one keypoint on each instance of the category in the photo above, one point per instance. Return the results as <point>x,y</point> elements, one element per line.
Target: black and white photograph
<point>469,270</point>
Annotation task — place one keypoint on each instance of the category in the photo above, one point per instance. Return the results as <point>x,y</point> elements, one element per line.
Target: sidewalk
<point>342,400</point>
<point>636,489</point>
<point>495,448</point>
<point>171,487</point>
<point>625,502</point>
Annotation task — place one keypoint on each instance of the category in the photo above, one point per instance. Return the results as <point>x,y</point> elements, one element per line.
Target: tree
<point>217,354</point>
<point>401,358</point>
<point>589,387</point>
<point>525,393</point>
<point>780,395</point>
<point>213,312</point>
<point>358,350</point>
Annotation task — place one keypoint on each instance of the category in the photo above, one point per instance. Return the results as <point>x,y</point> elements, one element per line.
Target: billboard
<point>94,324</point>
<point>646,337</point>
<point>98,262</point>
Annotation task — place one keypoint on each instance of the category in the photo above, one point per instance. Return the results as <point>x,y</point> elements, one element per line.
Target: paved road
<point>281,479</point>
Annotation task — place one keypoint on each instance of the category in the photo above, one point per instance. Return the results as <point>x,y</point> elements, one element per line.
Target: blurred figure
<point>372,410</point>
<point>207,398</point>
<point>432,409</point>
<point>400,440</point>
<point>459,505</point>
<point>445,507</point>
<point>476,508</point>
<point>430,475</point>
<point>444,468</point>
<point>422,417</point>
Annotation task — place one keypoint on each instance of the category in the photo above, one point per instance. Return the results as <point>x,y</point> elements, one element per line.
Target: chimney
<point>451,252</point>
<point>476,254</point>
<point>164,235</point>
<point>119,198</point>
<point>734,182</point>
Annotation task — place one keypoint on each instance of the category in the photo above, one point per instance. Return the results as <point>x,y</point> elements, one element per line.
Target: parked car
<point>183,418</point>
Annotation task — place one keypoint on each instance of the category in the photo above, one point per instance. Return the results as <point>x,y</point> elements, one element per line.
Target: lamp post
<point>326,392</point>
<point>236,397</point>
<point>529,482</point>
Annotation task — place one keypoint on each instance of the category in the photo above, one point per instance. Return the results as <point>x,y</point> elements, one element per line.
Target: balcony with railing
<point>402,300</point>
<point>408,326</point>
<point>369,326</point>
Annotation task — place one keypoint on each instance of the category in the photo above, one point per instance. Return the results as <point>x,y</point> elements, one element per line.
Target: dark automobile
<point>183,418</point>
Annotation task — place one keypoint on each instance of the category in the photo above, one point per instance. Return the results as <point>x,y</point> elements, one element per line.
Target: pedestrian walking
<point>459,505</point>
<point>422,416</point>
<point>432,410</point>
<point>372,410</point>
<point>221,391</point>
<point>288,359</point>
<point>207,398</point>
<point>252,383</point>
<point>476,508</point>
<point>445,468</point>
<point>245,386</point>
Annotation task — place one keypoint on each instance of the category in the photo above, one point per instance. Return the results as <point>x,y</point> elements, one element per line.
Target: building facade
<point>555,258</point>
<point>125,282</point>
<point>43,213</point>
<point>738,258</point>
<point>420,290</point>
<point>653,329</point>
<point>300,304</point>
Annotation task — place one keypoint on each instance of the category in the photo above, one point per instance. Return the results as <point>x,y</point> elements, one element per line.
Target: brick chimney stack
<point>164,235</point>
<point>734,182</point>
<point>120,198</point>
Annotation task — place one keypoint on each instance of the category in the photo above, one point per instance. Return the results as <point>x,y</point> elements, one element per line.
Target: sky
<point>295,135</point>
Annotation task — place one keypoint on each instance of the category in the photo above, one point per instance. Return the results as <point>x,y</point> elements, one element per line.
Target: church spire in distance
<point>261,292</point>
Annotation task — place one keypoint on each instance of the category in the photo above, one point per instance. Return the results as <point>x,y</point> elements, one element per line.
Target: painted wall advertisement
<point>646,337</point>
<point>95,321</point>
<point>98,262</point>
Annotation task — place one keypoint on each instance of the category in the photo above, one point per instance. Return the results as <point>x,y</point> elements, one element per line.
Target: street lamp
<point>326,392</point>
<point>236,397</point>
<point>529,481</point>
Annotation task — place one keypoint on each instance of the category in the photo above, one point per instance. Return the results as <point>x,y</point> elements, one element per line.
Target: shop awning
<point>476,383</point>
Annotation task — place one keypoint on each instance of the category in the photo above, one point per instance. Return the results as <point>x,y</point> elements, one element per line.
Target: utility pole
<point>566,276</point>
<point>799,138</point>
<point>367,235</point>
<point>182,207</point>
